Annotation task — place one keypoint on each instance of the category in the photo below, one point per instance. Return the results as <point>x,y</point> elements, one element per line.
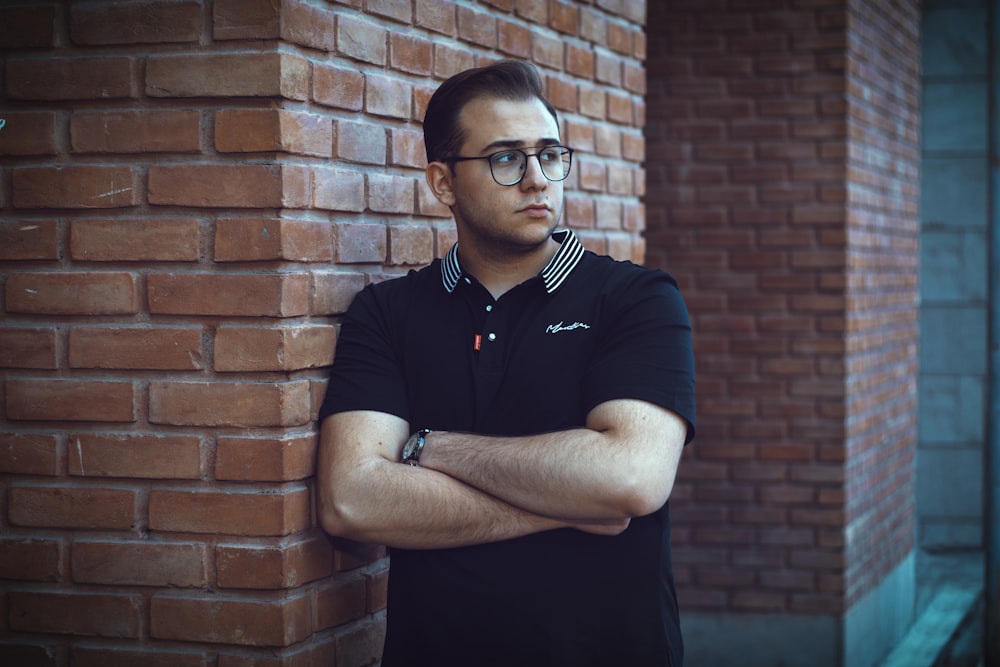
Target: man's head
<point>507,80</point>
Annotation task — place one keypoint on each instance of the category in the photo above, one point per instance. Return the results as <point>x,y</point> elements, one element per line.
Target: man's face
<point>514,218</point>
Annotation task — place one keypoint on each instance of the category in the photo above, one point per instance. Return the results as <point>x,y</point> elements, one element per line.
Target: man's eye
<point>549,155</point>
<point>506,159</point>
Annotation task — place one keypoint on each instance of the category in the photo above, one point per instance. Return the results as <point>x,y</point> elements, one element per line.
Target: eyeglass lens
<point>508,167</point>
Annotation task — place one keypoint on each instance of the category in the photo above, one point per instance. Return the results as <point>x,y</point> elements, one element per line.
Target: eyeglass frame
<point>564,150</point>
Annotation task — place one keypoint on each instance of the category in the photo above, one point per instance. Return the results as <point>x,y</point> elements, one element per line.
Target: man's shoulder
<point>621,273</point>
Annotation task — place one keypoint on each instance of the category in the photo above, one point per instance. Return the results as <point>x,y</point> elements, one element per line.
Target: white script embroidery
<point>556,328</point>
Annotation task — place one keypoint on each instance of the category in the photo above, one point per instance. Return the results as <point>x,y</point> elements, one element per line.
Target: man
<point>509,419</point>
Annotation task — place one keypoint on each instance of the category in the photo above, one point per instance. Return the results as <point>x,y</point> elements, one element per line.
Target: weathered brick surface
<point>806,350</point>
<point>193,193</point>
<point>230,621</point>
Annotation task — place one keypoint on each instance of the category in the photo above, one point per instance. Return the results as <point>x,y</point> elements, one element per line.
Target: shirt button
<point>489,309</point>
<point>492,336</point>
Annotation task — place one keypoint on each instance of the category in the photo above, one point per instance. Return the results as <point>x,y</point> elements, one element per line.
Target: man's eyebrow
<point>501,144</point>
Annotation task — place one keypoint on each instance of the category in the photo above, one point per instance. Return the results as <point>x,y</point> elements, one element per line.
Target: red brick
<point>477,27</point>
<point>579,211</point>
<point>260,295</point>
<point>593,26</point>
<point>230,621</point>
<point>135,23</point>
<point>337,87</point>
<point>256,130</point>
<point>378,590</point>
<point>410,53</point>
<point>230,511</point>
<point>592,102</point>
<point>30,559</point>
<point>237,186</point>
<point>591,174</point>
<point>76,78</point>
<point>135,455</point>
<point>229,403</point>
<point>608,69</point>
<point>89,656</point>
<point>22,347</point>
<point>77,293</point>
<point>388,96</point>
<point>563,17</point>
<point>27,27</point>
<point>758,601</point>
<point>450,60</point>
<point>436,15</point>
<point>29,454</point>
<point>547,51</point>
<point>407,148</point>
<point>134,348</point>
<point>272,349</point>
<point>246,19</point>
<point>361,142</point>
<point>398,11</point>
<point>75,187</point>
<point>362,644</point>
<point>149,131</point>
<point>359,243</point>
<point>334,291</point>
<point>513,39</point>
<point>309,26</point>
<point>391,194</point>
<point>340,603</point>
<point>339,190</point>
<point>536,12</point>
<point>361,40</point>
<point>70,400</point>
<point>142,240</point>
<point>562,93</point>
<point>262,459</point>
<point>410,245</point>
<point>83,614</point>
<point>256,239</point>
<point>274,567</point>
<point>27,132</point>
<point>71,507</point>
<point>228,75</point>
<point>145,563</point>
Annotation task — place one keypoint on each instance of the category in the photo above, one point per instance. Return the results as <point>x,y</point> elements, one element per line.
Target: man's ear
<point>439,176</point>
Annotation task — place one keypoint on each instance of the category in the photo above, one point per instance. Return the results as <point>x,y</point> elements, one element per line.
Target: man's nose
<point>533,178</point>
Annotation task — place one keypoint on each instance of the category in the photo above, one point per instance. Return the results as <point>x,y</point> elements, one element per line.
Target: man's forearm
<point>621,466</point>
<point>439,512</point>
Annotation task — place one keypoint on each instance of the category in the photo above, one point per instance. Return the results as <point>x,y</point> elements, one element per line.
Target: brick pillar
<point>783,173</point>
<point>192,192</point>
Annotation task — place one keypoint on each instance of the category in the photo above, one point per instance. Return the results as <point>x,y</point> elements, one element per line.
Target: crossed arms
<point>473,489</point>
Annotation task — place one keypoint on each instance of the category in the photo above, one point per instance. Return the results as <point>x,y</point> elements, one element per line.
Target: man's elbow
<point>644,496</point>
<point>336,518</point>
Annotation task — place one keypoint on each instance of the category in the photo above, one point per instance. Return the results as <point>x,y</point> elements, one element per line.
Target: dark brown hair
<point>507,79</point>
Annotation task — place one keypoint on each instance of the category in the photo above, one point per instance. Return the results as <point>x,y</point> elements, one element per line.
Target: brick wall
<point>191,193</point>
<point>783,171</point>
<point>882,314</point>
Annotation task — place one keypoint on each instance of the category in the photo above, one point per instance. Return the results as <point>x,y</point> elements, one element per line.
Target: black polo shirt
<point>436,349</point>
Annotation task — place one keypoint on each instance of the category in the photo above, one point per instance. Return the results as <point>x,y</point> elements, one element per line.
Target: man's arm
<point>621,465</point>
<point>365,494</point>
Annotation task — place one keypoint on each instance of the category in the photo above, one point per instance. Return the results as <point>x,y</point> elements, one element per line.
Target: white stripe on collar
<point>554,274</point>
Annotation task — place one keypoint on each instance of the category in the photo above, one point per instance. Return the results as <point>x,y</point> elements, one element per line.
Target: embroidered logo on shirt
<point>556,328</point>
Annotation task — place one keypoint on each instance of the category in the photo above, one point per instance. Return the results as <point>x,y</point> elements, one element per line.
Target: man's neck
<point>499,272</point>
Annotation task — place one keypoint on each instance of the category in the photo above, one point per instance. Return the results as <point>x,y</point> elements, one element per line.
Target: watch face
<point>409,448</point>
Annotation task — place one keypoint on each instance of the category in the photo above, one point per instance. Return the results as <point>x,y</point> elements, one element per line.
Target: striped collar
<point>554,274</point>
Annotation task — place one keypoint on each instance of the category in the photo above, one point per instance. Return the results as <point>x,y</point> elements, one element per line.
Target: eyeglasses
<point>509,166</point>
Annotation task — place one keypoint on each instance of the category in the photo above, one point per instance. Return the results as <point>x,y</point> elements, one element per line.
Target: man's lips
<point>536,209</point>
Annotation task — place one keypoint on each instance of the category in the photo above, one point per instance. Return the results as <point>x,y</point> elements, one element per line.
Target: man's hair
<point>507,79</point>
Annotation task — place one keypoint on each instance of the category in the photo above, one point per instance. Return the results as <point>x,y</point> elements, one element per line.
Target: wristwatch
<point>414,446</point>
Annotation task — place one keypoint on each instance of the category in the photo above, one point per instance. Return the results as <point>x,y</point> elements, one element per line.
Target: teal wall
<point>955,195</point>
